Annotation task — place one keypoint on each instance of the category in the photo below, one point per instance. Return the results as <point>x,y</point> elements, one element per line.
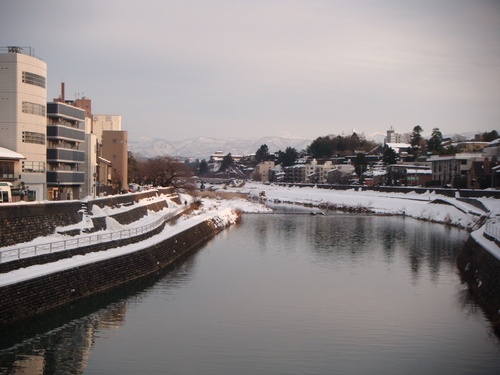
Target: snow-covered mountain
<point>203,147</point>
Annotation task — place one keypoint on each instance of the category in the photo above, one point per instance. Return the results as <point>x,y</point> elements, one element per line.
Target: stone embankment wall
<point>32,297</point>
<point>24,222</point>
<point>480,270</point>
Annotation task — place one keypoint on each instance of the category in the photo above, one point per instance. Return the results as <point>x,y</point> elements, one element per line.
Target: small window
<point>114,140</point>
<point>114,156</point>
<point>34,79</point>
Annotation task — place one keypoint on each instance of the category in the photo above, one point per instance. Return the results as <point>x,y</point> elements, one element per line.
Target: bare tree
<point>167,171</point>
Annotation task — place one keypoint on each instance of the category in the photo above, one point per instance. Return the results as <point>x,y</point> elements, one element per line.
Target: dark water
<point>279,294</point>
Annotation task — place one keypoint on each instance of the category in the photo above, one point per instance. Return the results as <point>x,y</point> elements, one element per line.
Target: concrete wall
<point>30,298</point>
<point>479,269</point>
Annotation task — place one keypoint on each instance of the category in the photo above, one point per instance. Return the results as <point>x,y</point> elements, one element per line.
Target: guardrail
<point>73,243</point>
<point>492,229</point>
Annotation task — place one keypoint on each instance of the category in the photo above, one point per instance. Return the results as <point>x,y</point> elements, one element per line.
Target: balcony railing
<point>66,133</point>
<point>65,178</point>
<point>61,155</point>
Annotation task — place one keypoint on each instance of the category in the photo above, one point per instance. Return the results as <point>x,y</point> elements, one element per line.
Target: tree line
<point>168,171</point>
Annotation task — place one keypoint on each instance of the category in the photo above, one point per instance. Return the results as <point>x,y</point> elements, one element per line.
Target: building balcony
<point>56,178</point>
<point>65,133</point>
<point>62,155</point>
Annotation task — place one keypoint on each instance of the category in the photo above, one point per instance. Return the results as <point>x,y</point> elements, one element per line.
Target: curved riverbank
<point>33,290</point>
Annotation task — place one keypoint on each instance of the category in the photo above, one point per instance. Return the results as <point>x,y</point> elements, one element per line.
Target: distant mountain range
<point>203,147</point>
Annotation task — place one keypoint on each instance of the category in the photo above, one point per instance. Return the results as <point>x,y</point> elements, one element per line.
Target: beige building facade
<point>23,99</point>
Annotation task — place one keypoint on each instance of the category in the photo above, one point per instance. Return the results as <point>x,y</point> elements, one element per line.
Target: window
<point>114,156</point>
<point>33,166</point>
<point>34,79</point>
<point>34,109</point>
<point>32,137</point>
<point>114,140</point>
<point>6,169</point>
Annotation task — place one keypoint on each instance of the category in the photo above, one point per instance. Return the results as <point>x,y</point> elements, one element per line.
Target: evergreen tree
<point>203,168</point>
<point>360,164</point>
<point>262,153</point>
<point>390,156</point>
<point>288,157</point>
<point>435,142</point>
<point>227,162</point>
<point>489,137</point>
<point>416,140</point>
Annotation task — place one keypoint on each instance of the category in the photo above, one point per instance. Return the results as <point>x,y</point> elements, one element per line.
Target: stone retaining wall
<point>32,297</point>
<point>480,270</point>
<point>26,221</point>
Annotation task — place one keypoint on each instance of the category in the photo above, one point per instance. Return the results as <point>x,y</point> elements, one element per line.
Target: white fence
<point>29,251</point>
<point>492,229</point>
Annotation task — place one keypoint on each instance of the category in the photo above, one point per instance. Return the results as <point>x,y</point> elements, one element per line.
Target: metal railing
<point>492,229</point>
<point>73,243</point>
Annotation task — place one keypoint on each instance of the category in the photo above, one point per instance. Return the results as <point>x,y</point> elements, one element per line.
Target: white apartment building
<point>263,171</point>
<point>23,122</point>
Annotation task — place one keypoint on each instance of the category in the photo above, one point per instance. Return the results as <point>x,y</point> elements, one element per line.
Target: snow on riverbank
<point>225,215</point>
<point>427,206</point>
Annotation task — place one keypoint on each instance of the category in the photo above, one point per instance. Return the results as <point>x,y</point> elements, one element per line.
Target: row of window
<point>34,109</point>
<point>34,79</point>
<point>34,166</point>
<point>32,137</point>
<point>6,169</point>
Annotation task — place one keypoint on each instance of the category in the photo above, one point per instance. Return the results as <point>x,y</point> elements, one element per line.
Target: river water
<point>279,294</point>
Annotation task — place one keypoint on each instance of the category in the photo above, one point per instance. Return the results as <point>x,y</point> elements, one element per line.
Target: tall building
<point>23,124</point>
<point>393,137</point>
<point>65,159</point>
<point>113,147</point>
<point>115,150</point>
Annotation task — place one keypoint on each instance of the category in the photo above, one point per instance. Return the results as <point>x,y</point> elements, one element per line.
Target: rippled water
<point>280,294</point>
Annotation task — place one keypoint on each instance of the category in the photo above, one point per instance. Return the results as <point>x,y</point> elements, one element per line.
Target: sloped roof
<point>5,153</point>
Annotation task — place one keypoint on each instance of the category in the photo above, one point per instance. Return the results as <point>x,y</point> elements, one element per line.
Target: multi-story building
<point>263,171</point>
<point>115,150</point>
<point>65,159</point>
<point>113,147</point>
<point>393,137</point>
<point>445,168</point>
<point>23,124</point>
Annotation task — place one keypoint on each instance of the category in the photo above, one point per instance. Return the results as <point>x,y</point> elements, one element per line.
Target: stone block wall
<point>480,270</point>
<point>32,297</point>
<point>26,221</point>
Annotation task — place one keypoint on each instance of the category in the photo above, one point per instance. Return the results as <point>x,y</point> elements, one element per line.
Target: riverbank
<point>29,287</point>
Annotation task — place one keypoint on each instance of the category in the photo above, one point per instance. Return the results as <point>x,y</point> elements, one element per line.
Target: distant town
<point>404,159</point>
<point>61,150</point>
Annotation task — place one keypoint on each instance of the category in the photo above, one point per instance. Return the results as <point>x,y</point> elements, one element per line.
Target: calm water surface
<point>280,294</point>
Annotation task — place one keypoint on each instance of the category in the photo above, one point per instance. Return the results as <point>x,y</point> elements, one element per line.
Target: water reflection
<point>279,293</point>
<point>29,348</point>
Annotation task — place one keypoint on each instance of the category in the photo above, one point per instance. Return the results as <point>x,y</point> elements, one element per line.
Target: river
<point>279,294</point>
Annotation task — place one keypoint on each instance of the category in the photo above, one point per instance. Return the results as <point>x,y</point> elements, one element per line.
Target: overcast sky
<point>250,68</point>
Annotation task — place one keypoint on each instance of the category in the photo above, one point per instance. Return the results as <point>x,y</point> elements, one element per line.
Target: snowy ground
<point>419,206</point>
<point>223,211</point>
<point>428,206</point>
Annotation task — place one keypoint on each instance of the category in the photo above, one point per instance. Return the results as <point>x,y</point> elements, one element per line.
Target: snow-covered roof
<point>418,171</point>
<point>104,160</point>
<point>398,145</point>
<point>5,153</point>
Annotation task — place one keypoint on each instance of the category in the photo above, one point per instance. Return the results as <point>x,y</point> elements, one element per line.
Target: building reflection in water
<point>36,347</point>
<point>65,349</point>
